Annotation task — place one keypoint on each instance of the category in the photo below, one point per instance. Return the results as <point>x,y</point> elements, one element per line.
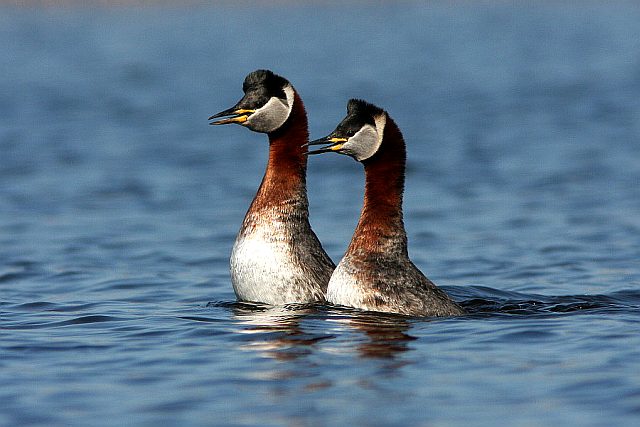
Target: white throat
<point>366,142</point>
<point>381,122</point>
<point>273,114</point>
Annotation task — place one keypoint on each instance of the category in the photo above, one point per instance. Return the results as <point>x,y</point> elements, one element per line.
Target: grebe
<point>376,273</point>
<point>277,258</point>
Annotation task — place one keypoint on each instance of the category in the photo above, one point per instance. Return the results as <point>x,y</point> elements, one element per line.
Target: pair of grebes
<point>278,259</point>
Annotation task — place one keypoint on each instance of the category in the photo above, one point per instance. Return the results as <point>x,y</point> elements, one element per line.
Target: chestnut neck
<point>284,184</point>
<point>381,226</point>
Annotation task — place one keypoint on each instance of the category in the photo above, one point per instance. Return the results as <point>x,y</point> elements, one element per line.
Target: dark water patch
<point>631,296</point>
<point>19,271</point>
<point>540,305</point>
<point>82,307</point>
<point>91,319</point>
<point>59,347</point>
<point>68,275</point>
<point>527,273</point>
<point>12,276</point>
<point>528,336</point>
<point>207,260</point>
<point>40,306</point>
<point>128,284</point>
<point>81,320</point>
<point>35,306</point>
<point>148,334</point>
<point>201,319</point>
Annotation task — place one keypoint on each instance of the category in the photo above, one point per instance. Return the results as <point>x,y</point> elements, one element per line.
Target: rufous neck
<point>284,182</point>
<point>381,227</point>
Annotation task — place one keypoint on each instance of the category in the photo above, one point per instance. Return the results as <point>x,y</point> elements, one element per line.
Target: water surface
<point>119,207</point>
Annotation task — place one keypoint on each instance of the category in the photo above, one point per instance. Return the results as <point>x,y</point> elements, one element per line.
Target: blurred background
<point>119,206</point>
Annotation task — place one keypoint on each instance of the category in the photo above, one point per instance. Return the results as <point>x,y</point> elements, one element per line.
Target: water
<point>119,206</point>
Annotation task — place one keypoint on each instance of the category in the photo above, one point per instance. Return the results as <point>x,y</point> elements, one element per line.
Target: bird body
<point>277,258</point>
<point>376,273</point>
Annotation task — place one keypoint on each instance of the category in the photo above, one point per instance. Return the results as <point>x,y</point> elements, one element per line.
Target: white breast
<point>262,270</point>
<point>344,289</point>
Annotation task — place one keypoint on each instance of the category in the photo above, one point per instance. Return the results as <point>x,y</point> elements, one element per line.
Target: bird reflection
<point>386,334</point>
<point>387,340</point>
<point>276,330</point>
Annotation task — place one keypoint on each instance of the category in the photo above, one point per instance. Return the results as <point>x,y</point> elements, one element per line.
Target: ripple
<point>91,319</point>
<point>60,347</point>
<point>81,320</point>
<point>201,319</point>
<point>527,336</point>
<point>528,304</point>
<point>12,276</point>
<point>38,306</point>
<point>128,284</point>
<point>35,306</point>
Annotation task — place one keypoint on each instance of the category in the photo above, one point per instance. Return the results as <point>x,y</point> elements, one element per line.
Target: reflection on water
<point>287,332</point>
<point>384,336</point>
<point>276,332</point>
<point>387,337</point>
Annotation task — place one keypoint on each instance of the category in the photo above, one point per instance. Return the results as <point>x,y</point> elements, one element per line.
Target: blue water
<point>119,206</point>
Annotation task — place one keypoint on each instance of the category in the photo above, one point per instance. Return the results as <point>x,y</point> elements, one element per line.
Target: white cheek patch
<point>273,114</point>
<point>366,142</point>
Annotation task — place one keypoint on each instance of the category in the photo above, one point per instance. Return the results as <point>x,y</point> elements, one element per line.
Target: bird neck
<point>284,184</point>
<point>381,227</point>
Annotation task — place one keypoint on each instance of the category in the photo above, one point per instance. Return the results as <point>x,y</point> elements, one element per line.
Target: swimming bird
<point>277,258</point>
<point>376,273</point>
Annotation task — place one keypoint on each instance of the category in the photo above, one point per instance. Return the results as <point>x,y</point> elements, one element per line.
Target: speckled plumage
<point>277,258</point>
<point>376,273</point>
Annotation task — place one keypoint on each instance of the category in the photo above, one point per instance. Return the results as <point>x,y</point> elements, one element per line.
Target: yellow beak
<point>240,116</point>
